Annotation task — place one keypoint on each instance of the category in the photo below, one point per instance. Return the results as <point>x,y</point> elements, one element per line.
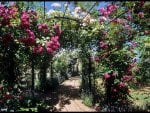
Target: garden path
<point>69,98</point>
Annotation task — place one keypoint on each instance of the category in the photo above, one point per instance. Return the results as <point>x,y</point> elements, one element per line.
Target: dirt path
<point>69,99</point>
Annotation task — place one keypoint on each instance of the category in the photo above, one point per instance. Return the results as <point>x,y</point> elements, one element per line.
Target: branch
<point>67,18</point>
<point>90,10</point>
<point>64,13</point>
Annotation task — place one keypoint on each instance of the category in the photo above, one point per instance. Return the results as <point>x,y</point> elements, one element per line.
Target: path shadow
<point>62,95</point>
<point>67,93</point>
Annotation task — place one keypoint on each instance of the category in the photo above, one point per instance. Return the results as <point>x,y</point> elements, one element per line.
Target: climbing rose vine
<point>117,49</point>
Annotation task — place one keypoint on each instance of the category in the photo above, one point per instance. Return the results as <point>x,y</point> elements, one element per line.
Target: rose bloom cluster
<point>53,44</point>
<point>29,40</point>
<point>105,12</point>
<point>6,14</point>
<point>108,10</point>
<point>43,28</point>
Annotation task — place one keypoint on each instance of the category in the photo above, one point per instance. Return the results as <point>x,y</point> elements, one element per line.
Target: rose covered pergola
<point>27,40</point>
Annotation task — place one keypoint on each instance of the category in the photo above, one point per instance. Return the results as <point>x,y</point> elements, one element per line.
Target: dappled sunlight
<point>69,96</point>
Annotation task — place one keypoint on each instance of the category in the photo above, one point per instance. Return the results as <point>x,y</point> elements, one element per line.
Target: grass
<point>87,99</point>
<point>141,98</point>
<point>28,109</point>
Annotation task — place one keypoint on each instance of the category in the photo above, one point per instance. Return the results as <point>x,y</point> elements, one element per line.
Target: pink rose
<point>49,50</point>
<point>141,14</point>
<point>106,76</point>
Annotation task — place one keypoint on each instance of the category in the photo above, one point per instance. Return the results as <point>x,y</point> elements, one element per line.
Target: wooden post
<point>44,9</point>
<point>90,83</point>
<point>32,69</point>
<point>51,69</point>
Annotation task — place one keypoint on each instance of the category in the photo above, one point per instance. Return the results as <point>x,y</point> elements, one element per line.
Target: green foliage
<point>87,99</point>
<point>143,72</point>
<point>60,65</point>
<point>10,96</point>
